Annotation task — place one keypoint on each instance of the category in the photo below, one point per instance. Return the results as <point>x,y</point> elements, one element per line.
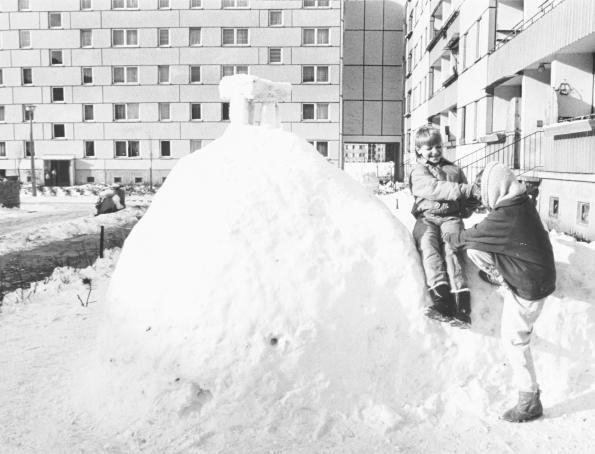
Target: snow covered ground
<point>450,385</point>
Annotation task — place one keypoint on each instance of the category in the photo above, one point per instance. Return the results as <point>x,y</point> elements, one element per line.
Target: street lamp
<point>30,109</point>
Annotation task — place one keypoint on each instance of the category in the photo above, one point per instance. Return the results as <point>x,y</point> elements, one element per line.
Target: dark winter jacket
<point>438,189</point>
<point>513,232</point>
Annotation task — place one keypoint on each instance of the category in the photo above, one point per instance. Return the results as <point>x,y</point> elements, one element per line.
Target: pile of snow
<point>289,298</point>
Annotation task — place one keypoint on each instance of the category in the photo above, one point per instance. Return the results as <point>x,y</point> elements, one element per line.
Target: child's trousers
<point>518,317</point>
<point>440,268</point>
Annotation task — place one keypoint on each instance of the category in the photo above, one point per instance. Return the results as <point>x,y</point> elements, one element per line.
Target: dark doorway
<point>57,173</point>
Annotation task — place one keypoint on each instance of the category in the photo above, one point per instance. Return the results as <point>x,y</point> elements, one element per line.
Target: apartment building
<point>510,80</point>
<point>121,89</point>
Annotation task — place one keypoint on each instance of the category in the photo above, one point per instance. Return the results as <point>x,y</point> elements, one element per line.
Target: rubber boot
<point>528,408</point>
<point>463,306</point>
<point>442,307</point>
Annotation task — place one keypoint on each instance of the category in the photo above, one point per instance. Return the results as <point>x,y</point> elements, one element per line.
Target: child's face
<point>431,153</point>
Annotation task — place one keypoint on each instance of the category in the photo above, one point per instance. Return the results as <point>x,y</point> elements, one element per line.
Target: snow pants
<point>441,263</point>
<point>518,317</point>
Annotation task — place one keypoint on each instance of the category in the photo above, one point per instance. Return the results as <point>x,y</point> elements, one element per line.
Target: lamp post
<point>30,109</point>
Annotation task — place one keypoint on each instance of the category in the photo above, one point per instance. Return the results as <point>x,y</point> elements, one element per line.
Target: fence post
<point>101,238</point>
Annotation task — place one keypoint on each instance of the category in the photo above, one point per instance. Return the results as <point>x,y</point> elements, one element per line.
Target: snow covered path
<point>46,335</point>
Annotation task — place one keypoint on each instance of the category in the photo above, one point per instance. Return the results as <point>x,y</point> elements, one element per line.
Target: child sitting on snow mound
<point>442,198</point>
<point>513,250</point>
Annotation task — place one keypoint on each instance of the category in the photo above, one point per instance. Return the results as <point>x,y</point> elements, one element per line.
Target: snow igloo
<point>263,287</point>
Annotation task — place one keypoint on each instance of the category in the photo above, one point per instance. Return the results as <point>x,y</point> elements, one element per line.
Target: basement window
<point>554,207</point>
<point>582,215</point>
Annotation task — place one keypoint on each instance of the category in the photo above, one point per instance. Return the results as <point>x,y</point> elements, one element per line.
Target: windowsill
<point>316,83</point>
<point>198,120</point>
<point>124,45</point>
<point>164,45</point>
<point>235,45</point>
<point>200,82</point>
<point>194,45</point>
<point>316,45</point>
<point>166,157</point>
<point>126,157</point>
<point>127,121</point>
<point>316,121</point>
<point>58,138</point>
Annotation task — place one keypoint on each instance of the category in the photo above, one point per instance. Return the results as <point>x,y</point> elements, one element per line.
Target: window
<point>56,57</point>
<point>2,114</point>
<point>554,207</point>
<point>164,111</point>
<point>1,77</point>
<point>55,20</point>
<point>138,179</point>
<point>315,36</point>
<point>58,131</point>
<point>2,149</point>
<point>163,74</point>
<point>124,37</point>
<point>321,147</point>
<point>88,114</point>
<point>163,4</point>
<point>195,3</point>
<point>117,179</point>
<point>163,38</point>
<point>463,117</point>
<point>90,179</point>
<point>315,74</point>
<point>195,113</point>
<point>316,3</point>
<point>194,74</point>
<point>582,215</point>
<point>224,111</point>
<point>127,111</point>
<point>315,111</point>
<point>275,55</point>
<point>24,39</point>
<point>85,4</point>
<point>230,70</point>
<point>275,18</point>
<point>27,114</point>
<point>124,4</point>
<point>87,76</point>
<point>86,38</point>
<point>89,148</point>
<point>234,36</point>
<point>23,5</point>
<point>125,74</point>
<point>194,38</point>
<point>57,94</point>
<point>234,3</point>
<point>126,149</point>
<point>165,148</point>
<point>195,145</point>
<point>27,148</point>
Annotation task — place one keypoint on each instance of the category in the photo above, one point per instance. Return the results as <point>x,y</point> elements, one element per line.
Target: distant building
<point>510,80</point>
<point>123,88</point>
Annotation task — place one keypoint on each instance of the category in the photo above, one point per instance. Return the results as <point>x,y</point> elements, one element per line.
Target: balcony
<point>560,24</point>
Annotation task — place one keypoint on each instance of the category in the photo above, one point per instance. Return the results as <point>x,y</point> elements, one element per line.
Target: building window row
<point>131,111</point>
<point>24,5</point>
<point>582,210</point>
<point>130,74</point>
<point>128,37</point>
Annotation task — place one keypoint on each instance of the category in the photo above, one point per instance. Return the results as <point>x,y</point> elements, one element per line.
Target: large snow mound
<point>282,293</point>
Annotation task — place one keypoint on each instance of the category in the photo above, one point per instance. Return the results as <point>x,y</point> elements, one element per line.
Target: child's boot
<point>442,307</point>
<point>463,306</point>
<point>528,408</point>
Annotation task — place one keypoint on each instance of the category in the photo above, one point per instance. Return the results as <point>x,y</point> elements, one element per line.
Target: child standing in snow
<point>513,250</point>
<point>441,191</point>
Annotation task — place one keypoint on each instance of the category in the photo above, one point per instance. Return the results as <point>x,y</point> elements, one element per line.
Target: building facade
<point>121,89</point>
<point>510,80</point>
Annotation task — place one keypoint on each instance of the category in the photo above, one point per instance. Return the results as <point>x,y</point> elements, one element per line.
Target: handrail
<point>519,140</point>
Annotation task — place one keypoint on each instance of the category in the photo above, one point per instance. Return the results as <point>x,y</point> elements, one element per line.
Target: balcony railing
<point>509,34</point>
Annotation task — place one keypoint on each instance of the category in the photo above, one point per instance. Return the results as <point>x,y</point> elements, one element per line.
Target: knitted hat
<point>498,183</point>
